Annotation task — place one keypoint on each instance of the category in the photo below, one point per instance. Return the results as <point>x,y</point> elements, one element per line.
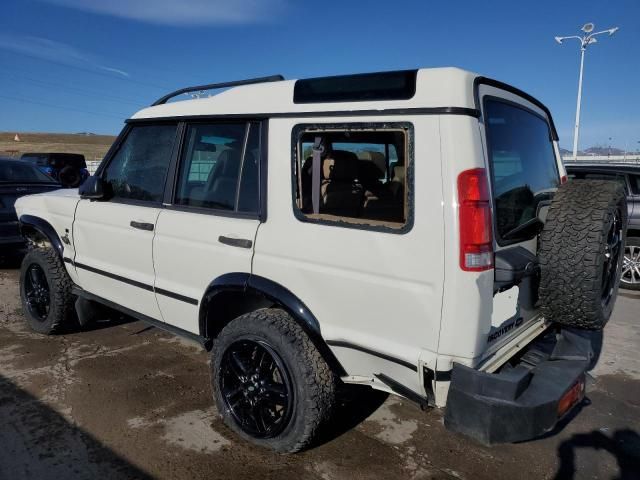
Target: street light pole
<point>585,40</point>
<point>576,131</point>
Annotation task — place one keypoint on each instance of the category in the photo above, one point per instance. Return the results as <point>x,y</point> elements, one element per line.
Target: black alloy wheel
<point>38,296</point>
<point>613,251</point>
<point>256,388</point>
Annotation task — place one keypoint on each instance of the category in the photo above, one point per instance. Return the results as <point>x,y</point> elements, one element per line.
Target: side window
<point>139,168</point>
<point>635,184</point>
<point>362,177</point>
<point>219,167</point>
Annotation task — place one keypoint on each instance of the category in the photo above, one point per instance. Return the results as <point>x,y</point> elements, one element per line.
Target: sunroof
<point>399,85</point>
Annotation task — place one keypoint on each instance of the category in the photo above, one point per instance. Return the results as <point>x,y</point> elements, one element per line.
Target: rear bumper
<point>524,400</point>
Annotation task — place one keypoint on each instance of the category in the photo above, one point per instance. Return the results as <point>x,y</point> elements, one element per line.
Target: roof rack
<point>212,86</point>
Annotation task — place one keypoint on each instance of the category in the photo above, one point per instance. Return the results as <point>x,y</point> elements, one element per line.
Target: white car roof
<point>435,88</point>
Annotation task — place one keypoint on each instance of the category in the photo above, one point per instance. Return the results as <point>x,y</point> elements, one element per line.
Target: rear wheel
<point>581,253</point>
<point>270,383</point>
<point>45,290</point>
<point>631,266</point>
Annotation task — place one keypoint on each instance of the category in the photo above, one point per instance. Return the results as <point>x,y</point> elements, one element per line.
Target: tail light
<point>476,239</point>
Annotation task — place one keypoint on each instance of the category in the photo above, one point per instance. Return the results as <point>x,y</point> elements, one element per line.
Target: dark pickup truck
<point>629,175</point>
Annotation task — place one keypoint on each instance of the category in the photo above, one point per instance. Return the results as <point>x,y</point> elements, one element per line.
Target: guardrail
<point>630,158</point>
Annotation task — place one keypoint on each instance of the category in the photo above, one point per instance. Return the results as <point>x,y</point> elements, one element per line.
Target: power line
<point>61,107</point>
<point>73,89</point>
<point>95,94</point>
<point>93,72</point>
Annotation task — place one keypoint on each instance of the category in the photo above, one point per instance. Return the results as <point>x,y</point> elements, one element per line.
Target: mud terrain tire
<point>312,384</point>
<point>44,267</point>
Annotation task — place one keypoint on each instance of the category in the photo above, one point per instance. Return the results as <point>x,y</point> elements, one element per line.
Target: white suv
<point>397,230</point>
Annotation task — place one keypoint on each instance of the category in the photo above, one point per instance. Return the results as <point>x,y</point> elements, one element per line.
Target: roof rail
<point>212,86</point>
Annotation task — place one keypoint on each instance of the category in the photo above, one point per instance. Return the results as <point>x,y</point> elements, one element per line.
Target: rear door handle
<point>142,226</point>
<point>235,242</point>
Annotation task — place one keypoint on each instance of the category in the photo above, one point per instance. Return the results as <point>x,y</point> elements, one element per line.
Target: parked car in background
<point>70,169</point>
<point>629,176</point>
<point>16,180</point>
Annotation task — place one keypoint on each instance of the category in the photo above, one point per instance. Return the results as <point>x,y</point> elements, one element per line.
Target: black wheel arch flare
<point>244,283</point>
<point>43,227</point>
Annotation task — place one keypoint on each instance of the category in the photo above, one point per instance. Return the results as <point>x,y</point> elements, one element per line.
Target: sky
<point>87,65</point>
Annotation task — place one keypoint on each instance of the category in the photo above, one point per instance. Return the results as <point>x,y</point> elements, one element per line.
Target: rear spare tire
<point>581,253</point>
<point>70,177</point>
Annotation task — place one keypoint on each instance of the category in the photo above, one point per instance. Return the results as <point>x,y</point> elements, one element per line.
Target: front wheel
<point>271,385</point>
<point>631,267</point>
<point>45,290</point>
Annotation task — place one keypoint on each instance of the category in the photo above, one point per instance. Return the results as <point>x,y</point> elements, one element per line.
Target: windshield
<point>523,168</point>
<point>16,172</point>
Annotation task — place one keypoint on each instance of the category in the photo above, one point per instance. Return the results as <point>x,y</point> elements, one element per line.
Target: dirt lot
<point>127,401</point>
<point>93,147</point>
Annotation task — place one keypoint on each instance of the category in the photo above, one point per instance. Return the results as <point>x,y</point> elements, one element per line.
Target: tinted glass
<point>635,184</point>
<point>249,184</point>
<point>523,168</point>
<point>210,166</point>
<point>139,169</point>
<point>16,172</point>
<point>41,160</point>
<point>399,85</point>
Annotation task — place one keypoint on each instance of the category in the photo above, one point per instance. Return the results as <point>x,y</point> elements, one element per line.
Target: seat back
<point>222,183</point>
<point>340,192</point>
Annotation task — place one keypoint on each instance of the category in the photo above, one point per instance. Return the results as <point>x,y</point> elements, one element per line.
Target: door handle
<point>142,226</point>
<point>235,242</point>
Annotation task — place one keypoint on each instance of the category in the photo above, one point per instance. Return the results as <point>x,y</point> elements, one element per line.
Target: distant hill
<point>564,152</point>
<point>600,151</point>
<point>92,146</point>
<point>603,151</point>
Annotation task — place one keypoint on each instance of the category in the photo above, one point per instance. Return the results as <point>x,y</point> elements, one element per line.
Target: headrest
<point>398,173</point>
<point>377,158</point>
<point>205,147</point>
<point>228,163</point>
<point>340,165</point>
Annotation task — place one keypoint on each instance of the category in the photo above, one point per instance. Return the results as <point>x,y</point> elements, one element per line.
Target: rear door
<point>525,170</point>
<point>113,239</point>
<point>208,225</point>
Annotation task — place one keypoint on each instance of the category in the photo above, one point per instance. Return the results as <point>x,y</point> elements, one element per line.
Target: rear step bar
<point>527,397</point>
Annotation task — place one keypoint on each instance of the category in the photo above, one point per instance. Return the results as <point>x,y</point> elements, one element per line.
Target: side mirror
<point>93,188</point>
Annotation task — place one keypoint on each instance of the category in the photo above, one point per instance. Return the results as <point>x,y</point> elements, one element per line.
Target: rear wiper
<point>535,221</point>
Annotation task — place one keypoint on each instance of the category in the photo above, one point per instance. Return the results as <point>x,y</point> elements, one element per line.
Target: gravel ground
<point>124,400</point>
